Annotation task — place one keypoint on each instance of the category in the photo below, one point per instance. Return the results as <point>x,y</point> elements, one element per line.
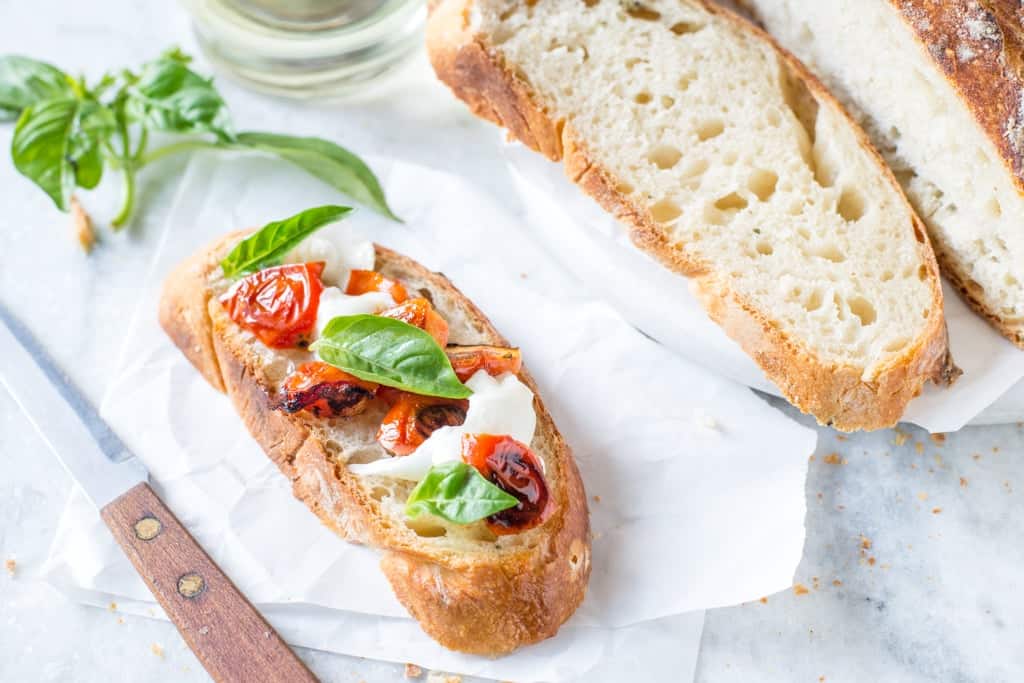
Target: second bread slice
<point>731,165</point>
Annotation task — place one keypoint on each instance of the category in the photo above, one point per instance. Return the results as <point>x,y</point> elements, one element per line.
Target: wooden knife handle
<point>232,640</point>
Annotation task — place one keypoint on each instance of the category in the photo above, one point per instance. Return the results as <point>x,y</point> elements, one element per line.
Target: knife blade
<point>65,419</point>
<point>228,635</point>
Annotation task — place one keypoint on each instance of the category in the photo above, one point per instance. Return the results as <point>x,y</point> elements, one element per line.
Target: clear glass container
<point>309,48</point>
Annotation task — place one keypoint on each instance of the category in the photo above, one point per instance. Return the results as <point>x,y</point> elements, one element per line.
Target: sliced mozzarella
<point>334,302</point>
<point>341,253</point>
<point>499,405</point>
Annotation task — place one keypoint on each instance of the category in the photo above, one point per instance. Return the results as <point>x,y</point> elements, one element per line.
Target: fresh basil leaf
<point>25,82</point>
<point>334,165</point>
<point>41,144</point>
<point>169,96</point>
<point>459,493</point>
<point>389,352</point>
<point>269,245</point>
<point>96,124</point>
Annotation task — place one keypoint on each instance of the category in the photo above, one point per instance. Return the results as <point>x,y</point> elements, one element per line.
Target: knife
<point>231,639</point>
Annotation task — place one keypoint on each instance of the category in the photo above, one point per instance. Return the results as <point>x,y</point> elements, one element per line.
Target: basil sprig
<point>457,492</point>
<point>389,352</point>
<point>270,244</point>
<point>68,130</point>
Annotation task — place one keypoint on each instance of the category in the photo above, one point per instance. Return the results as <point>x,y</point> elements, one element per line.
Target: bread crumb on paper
<point>11,565</point>
<point>413,671</point>
<point>800,589</point>
<point>157,650</point>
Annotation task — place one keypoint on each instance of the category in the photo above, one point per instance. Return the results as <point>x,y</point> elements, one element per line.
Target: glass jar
<point>309,48</point>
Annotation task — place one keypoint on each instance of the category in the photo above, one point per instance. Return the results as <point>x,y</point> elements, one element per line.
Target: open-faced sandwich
<point>402,418</point>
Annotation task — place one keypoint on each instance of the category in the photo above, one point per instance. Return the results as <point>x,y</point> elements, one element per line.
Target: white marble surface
<point>923,540</point>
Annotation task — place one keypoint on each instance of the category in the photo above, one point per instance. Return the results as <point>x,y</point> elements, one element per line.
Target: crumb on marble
<point>597,499</point>
<point>837,582</point>
<point>81,226</point>
<point>936,511</point>
<point>841,437</point>
<point>901,437</point>
<point>800,589</point>
<point>963,482</point>
<point>865,542</point>
<point>871,561</point>
<point>922,496</point>
<point>939,438</point>
<point>918,447</point>
<point>413,671</point>
<point>764,600</point>
<point>995,449</point>
<point>441,677</point>
<point>11,565</point>
<point>120,620</point>
<point>834,459</point>
<point>112,607</point>
<point>157,650</point>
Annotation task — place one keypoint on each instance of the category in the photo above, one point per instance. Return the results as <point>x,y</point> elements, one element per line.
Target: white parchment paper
<point>590,243</point>
<point>696,484</point>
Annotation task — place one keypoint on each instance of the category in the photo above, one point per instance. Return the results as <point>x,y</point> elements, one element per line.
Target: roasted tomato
<point>413,418</point>
<point>466,360</point>
<point>277,304</point>
<point>325,391</point>
<point>512,467</point>
<point>420,313</point>
<point>363,281</point>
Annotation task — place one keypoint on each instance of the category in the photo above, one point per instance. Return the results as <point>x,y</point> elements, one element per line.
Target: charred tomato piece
<point>363,281</point>
<point>420,313</point>
<point>413,418</point>
<point>325,391</point>
<point>277,304</point>
<point>466,360</point>
<point>512,467</point>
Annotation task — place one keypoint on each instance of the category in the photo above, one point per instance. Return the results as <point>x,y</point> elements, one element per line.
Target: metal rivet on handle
<point>148,528</point>
<point>191,585</point>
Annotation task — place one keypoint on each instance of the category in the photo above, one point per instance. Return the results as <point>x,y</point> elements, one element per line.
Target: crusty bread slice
<point>939,86</point>
<point>470,590</point>
<point>732,165</point>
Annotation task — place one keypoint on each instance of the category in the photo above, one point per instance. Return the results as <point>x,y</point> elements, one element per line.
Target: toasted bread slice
<point>731,165</point>
<point>949,120</point>
<point>470,590</point>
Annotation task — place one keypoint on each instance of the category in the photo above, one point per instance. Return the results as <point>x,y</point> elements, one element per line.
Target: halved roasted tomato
<point>420,313</point>
<point>277,304</point>
<point>325,391</point>
<point>511,466</point>
<point>413,418</point>
<point>466,360</point>
<point>363,281</point>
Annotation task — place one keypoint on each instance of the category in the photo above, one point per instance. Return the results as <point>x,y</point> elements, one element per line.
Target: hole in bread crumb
<point>887,275</point>
<point>926,312</point>
<point>426,527</point>
<point>664,156</point>
<point>667,101</point>
<point>731,202</point>
<point>633,61</point>
<point>665,211</point>
<point>681,28</point>
<point>379,492</point>
<point>1010,280</point>
<point>830,252</point>
<point>685,80</point>
<point>922,272</point>
<point>773,118</point>
<point>710,129</point>
<point>642,12</point>
<point>993,207</point>
<point>695,169</point>
<point>762,183</point>
<point>277,369</point>
<point>591,3</point>
<point>863,309</point>
<point>813,301</point>
<point>765,249</point>
<point>642,98</point>
<point>624,188</point>
<point>851,205</point>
